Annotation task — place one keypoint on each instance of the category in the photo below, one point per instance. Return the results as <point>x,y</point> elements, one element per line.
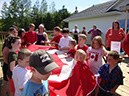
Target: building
<point>101,15</point>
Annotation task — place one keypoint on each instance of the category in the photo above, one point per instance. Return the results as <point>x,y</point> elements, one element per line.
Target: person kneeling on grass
<point>110,74</point>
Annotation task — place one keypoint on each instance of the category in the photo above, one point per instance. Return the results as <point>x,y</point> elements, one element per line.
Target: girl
<point>21,34</point>
<point>80,57</point>
<point>14,43</point>
<point>95,54</point>
<point>42,36</point>
<point>81,76</point>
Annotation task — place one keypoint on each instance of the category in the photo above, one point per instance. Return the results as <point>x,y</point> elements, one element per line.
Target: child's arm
<point>21,89</point>
<point>114,89</point>
<point>35,42</point>
<point>65,48</point>
<point>12,65</point>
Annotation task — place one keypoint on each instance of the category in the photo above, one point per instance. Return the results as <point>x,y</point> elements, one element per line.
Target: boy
<point>64,41</point>
<point>41,64</point>
<point>58,36</point>
<point>81,42</point>
<point>110,74</point>
<point>72,50</point>
<point>20,74</point>
<point>31,35</point>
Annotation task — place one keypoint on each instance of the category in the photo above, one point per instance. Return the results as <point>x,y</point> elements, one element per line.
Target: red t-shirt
<point>23,42</point>
<point>72,52</point>
<point>57,40</point>
<point>126,44</point>
<point>31,37</point>
<point>85,47</point>
<point>113,35</point>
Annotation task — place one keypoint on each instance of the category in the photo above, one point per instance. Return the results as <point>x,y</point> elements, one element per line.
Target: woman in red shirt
<point>114,34</point>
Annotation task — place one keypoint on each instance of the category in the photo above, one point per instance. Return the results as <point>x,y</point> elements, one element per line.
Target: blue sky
<point>69,4</point>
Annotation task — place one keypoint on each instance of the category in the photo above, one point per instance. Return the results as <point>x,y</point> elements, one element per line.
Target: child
<point>95,54</point>
<point>41,64</point>
<point>81,42</point>
<point>42,35</point>
<point>111,75</point>
<point>21,34</point>
<point>58,36</point>
<point>31,35</point>
<point>64,41</point>
<point>72,50</point>
<point>13,43</point>
<point>20,74</point>
<point>78,80</point>
<point>80,57</point>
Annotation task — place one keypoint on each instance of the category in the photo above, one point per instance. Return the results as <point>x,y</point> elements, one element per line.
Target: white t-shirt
<point>74,31</point>
<point>95,58</point>
<point>64,42</point>
<point>20,77</point>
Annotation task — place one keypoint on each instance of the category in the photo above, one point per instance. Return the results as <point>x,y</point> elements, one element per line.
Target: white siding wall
<point>102,23</point>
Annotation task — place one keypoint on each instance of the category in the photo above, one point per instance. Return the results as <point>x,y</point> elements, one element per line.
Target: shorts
<point>11,85</point>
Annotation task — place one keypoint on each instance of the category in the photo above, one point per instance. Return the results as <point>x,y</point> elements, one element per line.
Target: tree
<point>6,17</point>
<point>49,22</point>
<point>52,8</point>
<point>24,12</point>
<point>17,11</point>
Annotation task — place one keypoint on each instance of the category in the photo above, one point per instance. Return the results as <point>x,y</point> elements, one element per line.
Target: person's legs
<point>11,86</point>
<point>4,69</point>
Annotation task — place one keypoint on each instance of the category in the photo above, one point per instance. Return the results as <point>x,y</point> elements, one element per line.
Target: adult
<point>12,32</point>
<point>114,34</point>
<point>95,32</point>
<point>126,44</point>
<point>75,33</point>
<point>84,31</point>
<point>42,36</point>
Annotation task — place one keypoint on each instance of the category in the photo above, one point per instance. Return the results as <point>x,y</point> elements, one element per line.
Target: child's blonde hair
<point>31,25</point>
<point>23,53</point>
<point>73,42</point>
<point>57,28</point>
<point>83,36</point>
<point>99,40</point>
<point>80,52</point>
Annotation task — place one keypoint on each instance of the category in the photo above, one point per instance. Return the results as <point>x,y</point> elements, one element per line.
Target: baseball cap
<point>42,61</point>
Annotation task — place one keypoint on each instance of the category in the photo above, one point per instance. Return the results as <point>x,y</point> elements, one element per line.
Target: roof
<point>95,10</point>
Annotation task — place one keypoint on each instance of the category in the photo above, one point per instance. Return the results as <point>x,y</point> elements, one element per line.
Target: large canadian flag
<point>70,79</point>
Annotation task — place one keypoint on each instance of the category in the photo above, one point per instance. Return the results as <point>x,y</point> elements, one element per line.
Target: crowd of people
<point>25,83</point>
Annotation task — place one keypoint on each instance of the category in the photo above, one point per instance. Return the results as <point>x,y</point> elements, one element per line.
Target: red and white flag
<point>70,79</point>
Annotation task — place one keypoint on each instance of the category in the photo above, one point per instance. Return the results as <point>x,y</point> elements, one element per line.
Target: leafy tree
<point>20,13</point>
<point>52,8</point>
<point>49,24</point>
